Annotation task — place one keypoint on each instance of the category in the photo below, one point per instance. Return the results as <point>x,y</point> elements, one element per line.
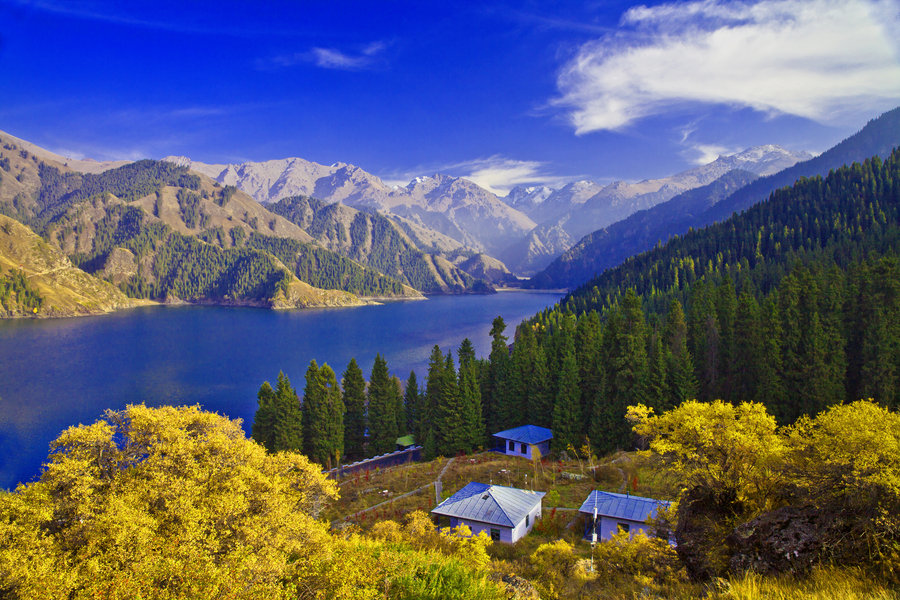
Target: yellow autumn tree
<point>163,503</point>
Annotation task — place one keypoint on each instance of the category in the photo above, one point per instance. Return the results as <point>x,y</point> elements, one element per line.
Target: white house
<point>506,514</point>
<point>608,513</point>
<point>520,441</point>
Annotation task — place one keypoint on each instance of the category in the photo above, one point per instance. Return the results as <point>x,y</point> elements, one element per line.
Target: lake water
<point>57,373</point>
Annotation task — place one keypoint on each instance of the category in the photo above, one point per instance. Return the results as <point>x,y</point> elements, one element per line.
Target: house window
<point>624,527</point>
<point>512,446</point>
<point>495,534</point>
<point>527,517</point>
<point>524,449</point>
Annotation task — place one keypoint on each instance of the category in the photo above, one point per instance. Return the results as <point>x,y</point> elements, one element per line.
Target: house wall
<point>543,448</point>
<point>520,530</point>
<point>609,527</point>
<point>506,533</point>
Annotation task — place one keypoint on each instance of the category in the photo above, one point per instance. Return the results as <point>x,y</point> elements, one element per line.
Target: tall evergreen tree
<point>682,383</point>
<point>316,435</point>
<point>590,366</point>
<point>354,387</point>
<point>382,405</point>
<point>567,415</point>
<point>749,349</point>
<point>399,408</point>
<point>288,417</point>
<point>497,401</point>
<point>263,431</point>
<point>334,407</point>
<point>412,407</point>
<point>470,397</point>
<point>434,385</point>
<point>450,429</point>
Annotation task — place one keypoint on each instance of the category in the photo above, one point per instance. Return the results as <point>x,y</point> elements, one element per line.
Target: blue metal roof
<point>527,434</point>
<point>621,506</point>
<point>494,504</point>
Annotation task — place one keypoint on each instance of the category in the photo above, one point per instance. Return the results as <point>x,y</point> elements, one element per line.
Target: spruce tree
<point>682,383</point>
<point>354,387</point>
<point>316,435</point>
<point>449,428</point>
<point>434,385</point>
<point>567,415</point>
<point>399,408</point>
<point>288,430</point>
<point>382,420</point>
<point>496,402</point>
<point>264,420</point>
<point>412,407</point>
<point>470,397</point>
<point>590,368</point>
<point>334,407</point>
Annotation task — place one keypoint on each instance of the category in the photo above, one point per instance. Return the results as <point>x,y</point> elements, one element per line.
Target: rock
<point>786,540</point>
<point>517,588</point>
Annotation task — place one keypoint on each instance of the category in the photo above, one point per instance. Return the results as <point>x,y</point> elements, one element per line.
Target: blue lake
<point>57,373</point>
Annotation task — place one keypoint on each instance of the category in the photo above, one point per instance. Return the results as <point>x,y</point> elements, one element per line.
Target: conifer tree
<point>567,415</point>
<point>726,307</point>
<point>288,418</point>
<point>682,383</point>
<point>470,396</point>
<point>354,388</point>
<point>399,408</point>
<point>449,428</point>
<point>264,419</point>
<point>540,396</point>
<point>316,434</point>
<point>496,404</point>
<point>749,350</point>
<point>412,407</point>
<point>334,406</point>
<point>382,420</point>
<point>590,369</point>
<point>434,385</point>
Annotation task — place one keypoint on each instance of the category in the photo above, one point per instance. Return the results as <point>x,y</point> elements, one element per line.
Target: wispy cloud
<point>812,58</point>
<point>330,58</point>
<point>497,174</point>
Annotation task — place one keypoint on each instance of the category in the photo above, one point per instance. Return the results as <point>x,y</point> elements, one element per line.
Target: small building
<point>506,514</point>
<point>519,441</point>
<point>618,512</point>
<point>405,442</point>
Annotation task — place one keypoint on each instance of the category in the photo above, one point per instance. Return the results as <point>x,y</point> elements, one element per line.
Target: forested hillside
<point>794,303</point>
<point>609,247</point>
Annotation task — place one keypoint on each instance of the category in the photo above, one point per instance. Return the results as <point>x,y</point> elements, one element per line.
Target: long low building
<point>506,514</point>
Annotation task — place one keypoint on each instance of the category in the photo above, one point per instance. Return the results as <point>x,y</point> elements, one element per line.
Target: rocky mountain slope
<point>377,242</point>
<point>452,206</point>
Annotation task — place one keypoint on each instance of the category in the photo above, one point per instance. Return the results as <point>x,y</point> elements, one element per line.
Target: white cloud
<point>811,58</point>
<point>497,174</point>
<point>330,58</point>
<point>703,154</point>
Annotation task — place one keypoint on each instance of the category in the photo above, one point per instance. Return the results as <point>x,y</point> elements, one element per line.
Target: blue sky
<point>505,93</point>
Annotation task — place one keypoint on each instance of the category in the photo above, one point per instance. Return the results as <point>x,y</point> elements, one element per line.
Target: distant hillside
<point>160,232</point>
<point>38,280</point>
<point>377,242</point>
<point>608,247</point>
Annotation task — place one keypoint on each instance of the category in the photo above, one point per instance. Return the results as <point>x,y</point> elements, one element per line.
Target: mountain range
<point>733,192</point>
<point>525,230</point>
